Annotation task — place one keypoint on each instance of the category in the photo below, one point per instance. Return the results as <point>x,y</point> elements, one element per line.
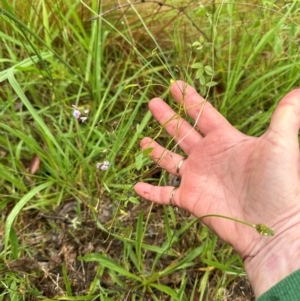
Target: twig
<point>260,228</point>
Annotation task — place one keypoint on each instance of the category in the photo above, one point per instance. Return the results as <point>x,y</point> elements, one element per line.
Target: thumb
<point>285,121</point>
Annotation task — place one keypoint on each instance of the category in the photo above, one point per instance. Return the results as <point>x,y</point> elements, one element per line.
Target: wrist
<point>273,258</point>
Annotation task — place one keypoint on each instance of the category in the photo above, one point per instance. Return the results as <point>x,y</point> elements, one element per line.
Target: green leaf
<point>209,70</point>
<point>166,289</point>
<point>110,264</point>
<point>199,73</point>
<point>13,238</point>
<point>202,80</point>
<point>133,200</point>
<point>211,84</point>
<point>66,280</point>
<point>148,151</point>
<point>139,161</point>
<point>8,175</point>
<point>27,63</point>
<point>139,239</point>
<point>187,261</point>
<point>196,44</point>
<point>130,86</point>
<point>18,207</point>
<point>37,118</point>
<point>202,90</point>
<point>197,66</point>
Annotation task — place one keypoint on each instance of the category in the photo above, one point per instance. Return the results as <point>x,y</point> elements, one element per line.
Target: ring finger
<point>166,195</point>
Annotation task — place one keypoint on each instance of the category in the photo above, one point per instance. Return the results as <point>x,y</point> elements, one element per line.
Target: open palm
<point>226,172</point>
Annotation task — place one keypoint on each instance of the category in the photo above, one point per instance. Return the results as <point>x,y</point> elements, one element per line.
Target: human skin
<point>254,179</point>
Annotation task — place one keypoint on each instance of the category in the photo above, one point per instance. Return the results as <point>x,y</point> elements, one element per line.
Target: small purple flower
<point>103,166</point>
<point>76,112</point>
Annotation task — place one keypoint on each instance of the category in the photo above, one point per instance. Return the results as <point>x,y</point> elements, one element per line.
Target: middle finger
<point>184,134</point>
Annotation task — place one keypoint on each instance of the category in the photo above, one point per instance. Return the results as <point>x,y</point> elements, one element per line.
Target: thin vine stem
<point>262,229</point>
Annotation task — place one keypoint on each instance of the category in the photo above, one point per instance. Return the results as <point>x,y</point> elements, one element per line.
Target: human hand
<point>232,174</point>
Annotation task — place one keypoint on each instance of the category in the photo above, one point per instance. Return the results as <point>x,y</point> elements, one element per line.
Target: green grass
<point>72,232</point>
